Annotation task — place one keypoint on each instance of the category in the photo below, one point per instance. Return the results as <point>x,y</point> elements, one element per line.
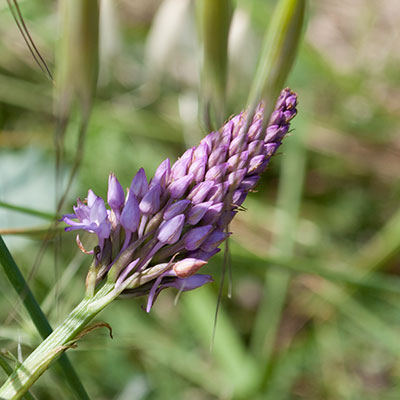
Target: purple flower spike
<point>165,231</point>
<point>170,231</point>
<point>130,215</point>
<point>115,194</point>
<point>139,184</point>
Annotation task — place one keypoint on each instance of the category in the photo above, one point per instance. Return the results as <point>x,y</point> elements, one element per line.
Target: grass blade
<point>27,210</point>
<point>214,20</point>
<point>277,280</point>
<point>39,319</point>
<point>279,51</point>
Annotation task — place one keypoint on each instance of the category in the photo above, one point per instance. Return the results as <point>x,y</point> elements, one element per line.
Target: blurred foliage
<point>338,319</point>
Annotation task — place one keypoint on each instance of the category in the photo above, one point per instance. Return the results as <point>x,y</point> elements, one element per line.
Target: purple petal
<point>226,135</point>
<point>217,173</point>
<point>209,141</point>
<point>176,208</point>
<point>214,240</point>
<point>162,174</point>
<point>255,148</point>
<point>170,231</point>
<point>250,182</point>
<point>150,203</point>
<point>115,193</point>
<point>202,151</point>
<point>239,197</point>
<point>178,188</point>
<point>213,213</point>
<point>237,145</point>
<point>218,155</point>
<point>179,169</point>
<point>200,191</point>
<point>255,163</point>
<point>196,236</point>
<point>255,132</point>
<point>197,212</point>
<point>238,161</point>
<point>277,118</point>
<point>275,133</point>
<point>198,169</point>
<point>139,184</point>
<point>130,215</point>
<point>203,255</point>
<point>236,177</point>
<point>218,192</point>
<point>185,284</point>
<point>91,198</point>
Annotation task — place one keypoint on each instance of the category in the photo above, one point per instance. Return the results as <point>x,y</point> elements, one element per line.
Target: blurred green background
<point>315,306</point>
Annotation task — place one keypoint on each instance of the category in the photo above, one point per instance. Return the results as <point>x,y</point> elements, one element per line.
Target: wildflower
<point>164,230</point>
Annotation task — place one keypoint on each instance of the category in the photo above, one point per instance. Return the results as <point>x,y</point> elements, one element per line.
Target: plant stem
<point>55,344</point>
<point>38,318</point>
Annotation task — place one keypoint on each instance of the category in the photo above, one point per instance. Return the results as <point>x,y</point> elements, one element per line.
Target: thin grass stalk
<point>276,280</point>
<point>38,318</point>
<point>76,78</point>
<point>278,53</point>
<point>239,366</point>
<point>349,276</point>
<point>27,210</point>
<point>214,22</point>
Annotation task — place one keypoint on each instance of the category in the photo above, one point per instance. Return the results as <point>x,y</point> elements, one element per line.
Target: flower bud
<point>130,215</point>
<point>115,193</point>
<point>139,184</point>
<point>170,231</point>
<point>150,203</point>
<point>188,267</point>
<point>196,236</point>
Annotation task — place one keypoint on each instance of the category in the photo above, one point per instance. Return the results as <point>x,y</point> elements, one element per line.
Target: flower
<point>164,230</point>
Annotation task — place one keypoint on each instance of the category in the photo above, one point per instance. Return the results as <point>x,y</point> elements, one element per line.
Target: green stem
<point>55,344</point>
<point>8,370</point>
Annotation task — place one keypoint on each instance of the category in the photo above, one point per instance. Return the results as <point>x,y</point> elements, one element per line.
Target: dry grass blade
<point>19,20</point>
